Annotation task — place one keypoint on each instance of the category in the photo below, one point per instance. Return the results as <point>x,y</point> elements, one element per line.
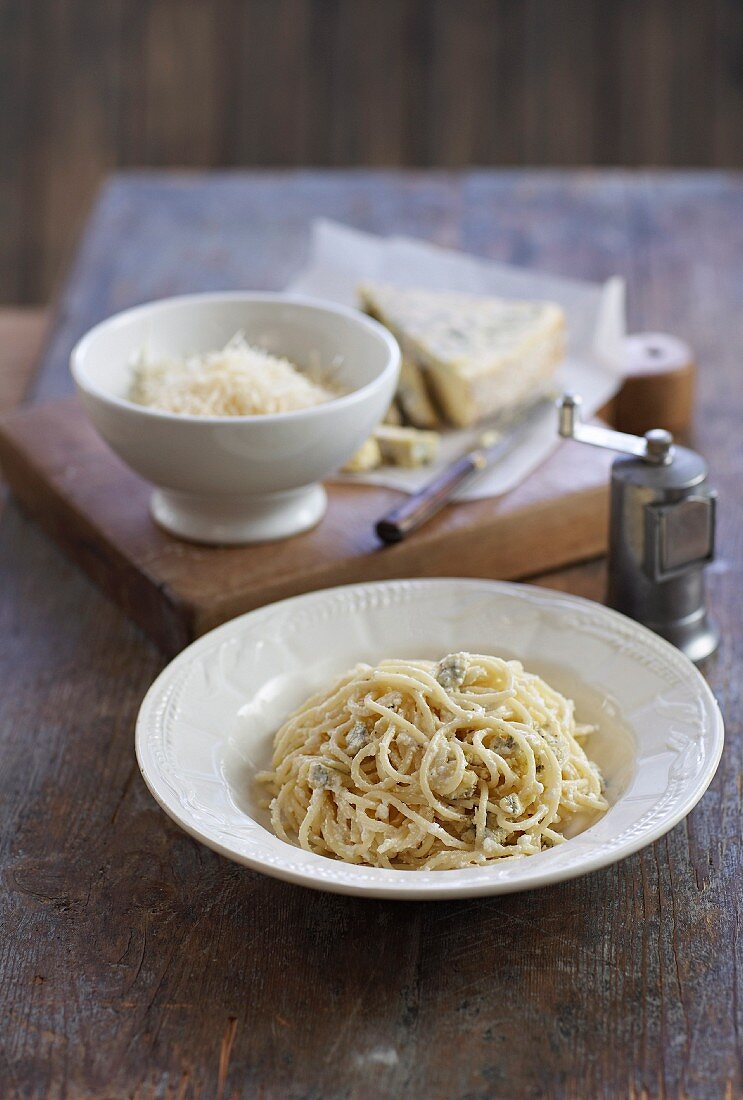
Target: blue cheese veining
<point>479,355</point>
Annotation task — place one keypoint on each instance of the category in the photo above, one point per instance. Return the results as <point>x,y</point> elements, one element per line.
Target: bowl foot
<point>236,520</point>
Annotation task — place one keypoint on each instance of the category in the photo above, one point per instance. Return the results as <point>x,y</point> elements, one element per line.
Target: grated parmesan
<point>239,380</point>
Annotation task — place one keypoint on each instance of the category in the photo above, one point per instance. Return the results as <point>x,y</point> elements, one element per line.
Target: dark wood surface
<point>21,337</point>
<point>87,86</point>
<point>98,510</point>
<point>136,963</point>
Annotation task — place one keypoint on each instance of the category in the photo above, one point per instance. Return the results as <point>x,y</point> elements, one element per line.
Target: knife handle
<point>418,508</point>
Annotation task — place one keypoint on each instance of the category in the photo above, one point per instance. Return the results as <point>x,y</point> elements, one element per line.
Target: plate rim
<point>439,885</point>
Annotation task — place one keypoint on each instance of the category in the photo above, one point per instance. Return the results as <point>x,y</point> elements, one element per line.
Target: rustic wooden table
<point>135,962</point>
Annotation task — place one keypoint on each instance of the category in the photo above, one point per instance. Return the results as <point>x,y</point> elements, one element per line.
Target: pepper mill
<point>661,530</point>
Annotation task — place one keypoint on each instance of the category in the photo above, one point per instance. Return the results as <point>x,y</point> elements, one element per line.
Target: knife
<point>492,447</point>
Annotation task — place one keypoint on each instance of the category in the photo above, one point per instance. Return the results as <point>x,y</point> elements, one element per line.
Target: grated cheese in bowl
<point>239,380</point>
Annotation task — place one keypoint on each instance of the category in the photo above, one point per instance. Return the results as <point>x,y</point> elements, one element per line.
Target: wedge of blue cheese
<point>479,356</point>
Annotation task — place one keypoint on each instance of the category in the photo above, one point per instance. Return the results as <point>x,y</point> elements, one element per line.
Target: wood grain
<point>135,963</point>
<point>91,86</point>
<point>22,334</point>
<point>21,337</point>
<point>98,511</point>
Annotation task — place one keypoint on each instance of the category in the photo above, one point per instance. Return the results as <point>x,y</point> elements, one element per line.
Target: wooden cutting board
<point>97,510</point>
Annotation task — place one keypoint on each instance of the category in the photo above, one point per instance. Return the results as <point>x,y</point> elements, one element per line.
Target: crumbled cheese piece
<point>368,457</point>
<point>467,786</point>
<point>492,838</point>
<point>357,737</point>
<point>393,700</point>
<point>396,446</point>
<point>440,773</point>
<point>407,447</point>
<point>557,747</point>
<point>511,804</point>
<point>451,671</point>
<point>504,745</point>
<point>319,776</point>
<point>239,380</point>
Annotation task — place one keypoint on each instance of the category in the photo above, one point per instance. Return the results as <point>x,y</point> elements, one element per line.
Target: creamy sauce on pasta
<point>419,765</point>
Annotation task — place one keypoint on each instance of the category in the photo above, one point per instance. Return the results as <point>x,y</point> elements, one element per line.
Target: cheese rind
<point>393,414</point>
<point>480,355</point>
<point>413,397</point>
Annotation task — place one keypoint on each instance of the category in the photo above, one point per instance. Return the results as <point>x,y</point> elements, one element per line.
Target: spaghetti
<point>431,766</point>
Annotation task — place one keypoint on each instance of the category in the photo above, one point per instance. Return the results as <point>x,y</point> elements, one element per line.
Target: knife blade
<point>421,506</point>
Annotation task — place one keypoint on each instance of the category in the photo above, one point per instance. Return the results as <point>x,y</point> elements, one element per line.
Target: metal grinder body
<point>661,531</point>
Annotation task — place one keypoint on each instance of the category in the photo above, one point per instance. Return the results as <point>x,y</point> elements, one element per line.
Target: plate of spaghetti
<point>429,738</point>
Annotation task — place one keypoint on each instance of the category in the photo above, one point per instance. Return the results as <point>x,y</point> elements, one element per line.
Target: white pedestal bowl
<point>230,480</point>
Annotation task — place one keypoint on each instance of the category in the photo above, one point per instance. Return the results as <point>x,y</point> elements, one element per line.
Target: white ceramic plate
<point>207,723</point>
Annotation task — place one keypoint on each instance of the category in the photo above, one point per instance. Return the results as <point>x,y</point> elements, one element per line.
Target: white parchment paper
<point>341,257</point>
